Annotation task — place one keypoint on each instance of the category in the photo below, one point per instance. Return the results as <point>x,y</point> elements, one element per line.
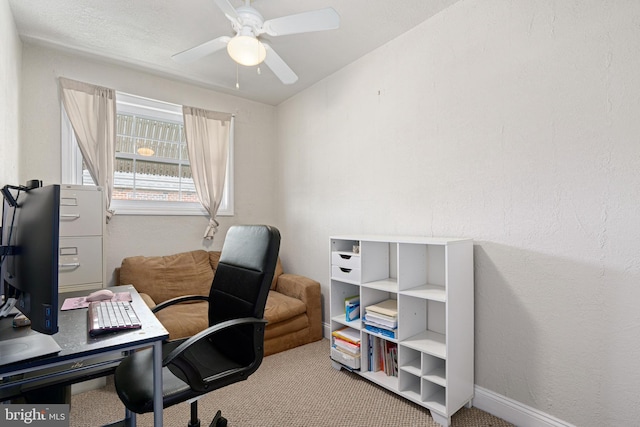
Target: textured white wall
<point>516,124</point>
<point>10,61</point>
<point>147,235</point>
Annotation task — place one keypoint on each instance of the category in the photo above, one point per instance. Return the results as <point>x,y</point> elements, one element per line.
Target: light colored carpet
<point>296,388</point>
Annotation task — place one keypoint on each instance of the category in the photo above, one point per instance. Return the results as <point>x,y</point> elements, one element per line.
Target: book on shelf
<point>382,356</point>
<point>388,333</point>
<point>391,359</point>
<point>346,346</point>
<point>352,308</point>
<point>347,334</point>
<point>387,308</point>
<point>381,320</point>
<point>345,352</point>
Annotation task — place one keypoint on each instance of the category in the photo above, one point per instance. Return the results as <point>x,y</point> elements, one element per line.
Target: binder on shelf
<point>352,308</point>
<point>373,354</point>
<point>391,359</point>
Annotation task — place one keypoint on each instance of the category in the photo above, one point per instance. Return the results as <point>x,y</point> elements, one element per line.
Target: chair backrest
<point>241,284</point>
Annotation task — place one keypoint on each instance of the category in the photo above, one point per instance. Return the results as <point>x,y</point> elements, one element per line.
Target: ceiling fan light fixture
<point>246,50</point>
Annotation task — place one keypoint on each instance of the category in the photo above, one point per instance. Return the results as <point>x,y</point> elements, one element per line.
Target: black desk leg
<point>130,418</point>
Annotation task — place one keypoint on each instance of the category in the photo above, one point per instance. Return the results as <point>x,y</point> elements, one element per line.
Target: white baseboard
<point>513,411</point>
<point>326,328</point>
<point>502,407</point>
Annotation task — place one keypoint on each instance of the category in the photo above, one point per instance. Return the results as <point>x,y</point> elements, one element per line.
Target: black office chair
<point>231,348</point>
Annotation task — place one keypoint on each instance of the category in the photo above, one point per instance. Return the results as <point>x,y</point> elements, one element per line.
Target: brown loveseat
<point>293,307</point>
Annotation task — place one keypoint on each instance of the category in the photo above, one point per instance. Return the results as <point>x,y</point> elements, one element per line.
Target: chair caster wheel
<point>218,420</point>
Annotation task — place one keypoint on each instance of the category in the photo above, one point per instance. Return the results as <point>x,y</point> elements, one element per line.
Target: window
<point>152,175</point>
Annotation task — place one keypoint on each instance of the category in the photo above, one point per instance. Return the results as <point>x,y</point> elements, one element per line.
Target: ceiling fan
<point>246,48</point>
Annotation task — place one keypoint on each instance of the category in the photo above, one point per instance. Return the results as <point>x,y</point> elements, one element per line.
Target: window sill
<point>121,207</point>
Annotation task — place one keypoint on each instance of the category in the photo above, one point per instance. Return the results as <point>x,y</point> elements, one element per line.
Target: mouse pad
<point>81,302</point>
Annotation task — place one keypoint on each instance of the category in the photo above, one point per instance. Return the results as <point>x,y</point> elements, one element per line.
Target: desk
<point>82,355</point>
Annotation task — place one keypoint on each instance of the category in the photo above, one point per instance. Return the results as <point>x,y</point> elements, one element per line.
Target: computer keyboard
<point>111,316</point>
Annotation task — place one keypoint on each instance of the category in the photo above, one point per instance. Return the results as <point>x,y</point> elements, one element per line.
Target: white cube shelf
<point>432,281</point>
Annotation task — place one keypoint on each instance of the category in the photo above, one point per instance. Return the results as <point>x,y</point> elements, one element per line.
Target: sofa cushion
<point>286,327</point>
<point>285,342</point>
<point>148,300</point>
<point>281,307</point>
<point>214,259</point>
<point>166,277</point>
<point>184,320</point>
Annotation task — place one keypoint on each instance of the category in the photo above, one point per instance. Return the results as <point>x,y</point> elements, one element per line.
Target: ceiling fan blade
<point>228,10</point>
<point>279,67</point>
<point>202,50</point>
<point>306,22</point>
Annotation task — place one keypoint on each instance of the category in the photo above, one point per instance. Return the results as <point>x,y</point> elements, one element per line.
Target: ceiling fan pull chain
<point>237,79</point>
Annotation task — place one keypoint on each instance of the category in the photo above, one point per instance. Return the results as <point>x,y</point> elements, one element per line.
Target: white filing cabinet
<point>82,223</point>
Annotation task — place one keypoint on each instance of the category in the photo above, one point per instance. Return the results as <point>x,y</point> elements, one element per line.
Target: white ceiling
<point>145,33</point>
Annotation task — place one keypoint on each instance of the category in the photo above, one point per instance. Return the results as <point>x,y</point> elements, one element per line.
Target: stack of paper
<point>347,340</point>
<point>382,318</point>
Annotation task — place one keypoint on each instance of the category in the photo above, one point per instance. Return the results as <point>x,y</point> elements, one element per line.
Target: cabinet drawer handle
<point>68,201</point>
<point>69,216</point>
<point>70,265</point>
<point>67,251</point>
<point>345,256</point>
<point>345,270</point>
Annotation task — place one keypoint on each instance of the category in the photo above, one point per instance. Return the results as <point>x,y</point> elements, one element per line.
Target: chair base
<point>194,421</point>
<point>218,420</point>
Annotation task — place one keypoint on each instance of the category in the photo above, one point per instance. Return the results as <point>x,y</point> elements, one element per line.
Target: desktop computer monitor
<point>30,242</point>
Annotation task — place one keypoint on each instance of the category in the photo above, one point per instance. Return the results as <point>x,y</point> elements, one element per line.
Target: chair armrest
<point>308,291</point>
<point>194,378</point>
<point>179,300</point>
<point>206,333</point>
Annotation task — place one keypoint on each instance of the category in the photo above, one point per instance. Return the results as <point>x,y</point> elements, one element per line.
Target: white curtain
<point>92,113</point>
<point>207,134</point>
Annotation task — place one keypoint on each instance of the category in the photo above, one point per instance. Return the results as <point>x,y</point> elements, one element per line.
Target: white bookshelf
<point>432,281</point>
